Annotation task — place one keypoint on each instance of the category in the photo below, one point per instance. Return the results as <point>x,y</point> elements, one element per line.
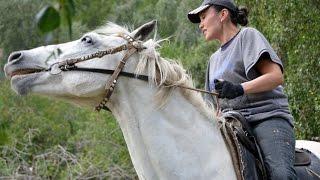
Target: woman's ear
<point>223,15</point>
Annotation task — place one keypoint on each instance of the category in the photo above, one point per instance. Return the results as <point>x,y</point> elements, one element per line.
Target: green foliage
<point>57,140</point>
<point>49,139</point>
<point>303,66</point>
<point>94,13</point>
<point>166,15</point>
<point>49,18</point>
<point>67,11</point>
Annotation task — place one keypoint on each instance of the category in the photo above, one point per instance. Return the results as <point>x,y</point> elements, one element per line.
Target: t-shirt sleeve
<point>254,45</point>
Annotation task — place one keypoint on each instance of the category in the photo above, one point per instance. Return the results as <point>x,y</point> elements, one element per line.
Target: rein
<point>132,47</point>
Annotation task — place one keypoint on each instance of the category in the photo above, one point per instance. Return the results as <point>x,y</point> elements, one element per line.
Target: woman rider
<point>248,75</point>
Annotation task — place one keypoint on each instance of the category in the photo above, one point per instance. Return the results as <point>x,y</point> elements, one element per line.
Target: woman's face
<point>210,24</point>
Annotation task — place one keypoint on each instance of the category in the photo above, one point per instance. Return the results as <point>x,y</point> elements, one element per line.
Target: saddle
<point>239,138</point>
<point>302,158</point>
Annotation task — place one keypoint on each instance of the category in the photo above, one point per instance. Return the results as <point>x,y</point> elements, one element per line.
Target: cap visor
<point>193,16</point>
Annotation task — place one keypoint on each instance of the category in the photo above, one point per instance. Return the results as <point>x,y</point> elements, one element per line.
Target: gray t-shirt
<point>234,62</point>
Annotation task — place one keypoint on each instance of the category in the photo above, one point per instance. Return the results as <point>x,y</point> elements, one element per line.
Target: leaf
<point>48,19</point>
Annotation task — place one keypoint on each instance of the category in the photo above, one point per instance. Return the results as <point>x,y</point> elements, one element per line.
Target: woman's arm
<point>271,77</point>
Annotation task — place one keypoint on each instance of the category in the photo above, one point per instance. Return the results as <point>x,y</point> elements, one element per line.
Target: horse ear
<point>143,31</point>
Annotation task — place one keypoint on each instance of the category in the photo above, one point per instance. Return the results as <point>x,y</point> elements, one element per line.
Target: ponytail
<point>241,16</point>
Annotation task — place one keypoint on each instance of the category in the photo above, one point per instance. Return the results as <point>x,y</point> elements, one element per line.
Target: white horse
<point>170,132</point>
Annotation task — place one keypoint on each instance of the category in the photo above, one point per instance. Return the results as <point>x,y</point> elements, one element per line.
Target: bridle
<point>132,46</point>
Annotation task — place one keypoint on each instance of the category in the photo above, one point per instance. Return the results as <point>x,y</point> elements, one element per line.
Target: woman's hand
<point>227,89</point>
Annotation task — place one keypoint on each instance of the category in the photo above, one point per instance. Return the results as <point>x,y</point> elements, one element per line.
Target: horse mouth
<point>20,72</point>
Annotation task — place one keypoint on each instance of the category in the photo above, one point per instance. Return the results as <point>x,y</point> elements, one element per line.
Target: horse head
<point>34,71</point>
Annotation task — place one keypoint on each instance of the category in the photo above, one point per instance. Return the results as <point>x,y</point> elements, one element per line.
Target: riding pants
<point>277,142</point>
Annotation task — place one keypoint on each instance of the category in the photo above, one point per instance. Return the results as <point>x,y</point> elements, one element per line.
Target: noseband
<point>132,46</point>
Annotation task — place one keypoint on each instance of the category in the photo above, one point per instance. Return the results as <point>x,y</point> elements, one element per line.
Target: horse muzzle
<point>16,65</point>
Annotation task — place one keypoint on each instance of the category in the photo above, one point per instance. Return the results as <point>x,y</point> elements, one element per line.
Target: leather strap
<point>113,79</point>
<point>109,71</point>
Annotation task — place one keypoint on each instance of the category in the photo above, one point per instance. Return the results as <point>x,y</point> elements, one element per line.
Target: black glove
<point>227,89</point>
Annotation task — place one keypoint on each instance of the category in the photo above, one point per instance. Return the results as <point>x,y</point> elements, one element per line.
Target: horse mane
<point>163,73</point>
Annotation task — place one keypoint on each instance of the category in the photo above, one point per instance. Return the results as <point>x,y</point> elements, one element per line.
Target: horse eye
<point>87,40</point>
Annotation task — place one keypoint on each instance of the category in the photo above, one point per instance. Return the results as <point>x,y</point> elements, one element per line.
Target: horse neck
<point>174,142</point>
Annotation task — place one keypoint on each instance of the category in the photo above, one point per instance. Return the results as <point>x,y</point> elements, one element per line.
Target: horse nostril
<point>15,56</point>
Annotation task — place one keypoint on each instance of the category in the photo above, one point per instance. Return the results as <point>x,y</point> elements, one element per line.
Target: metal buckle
<point>55,69</point>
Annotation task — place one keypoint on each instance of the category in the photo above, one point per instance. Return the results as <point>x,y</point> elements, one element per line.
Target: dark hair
<point>240,16</point>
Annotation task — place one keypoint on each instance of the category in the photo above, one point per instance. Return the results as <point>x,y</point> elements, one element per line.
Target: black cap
<point>194,14</point>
